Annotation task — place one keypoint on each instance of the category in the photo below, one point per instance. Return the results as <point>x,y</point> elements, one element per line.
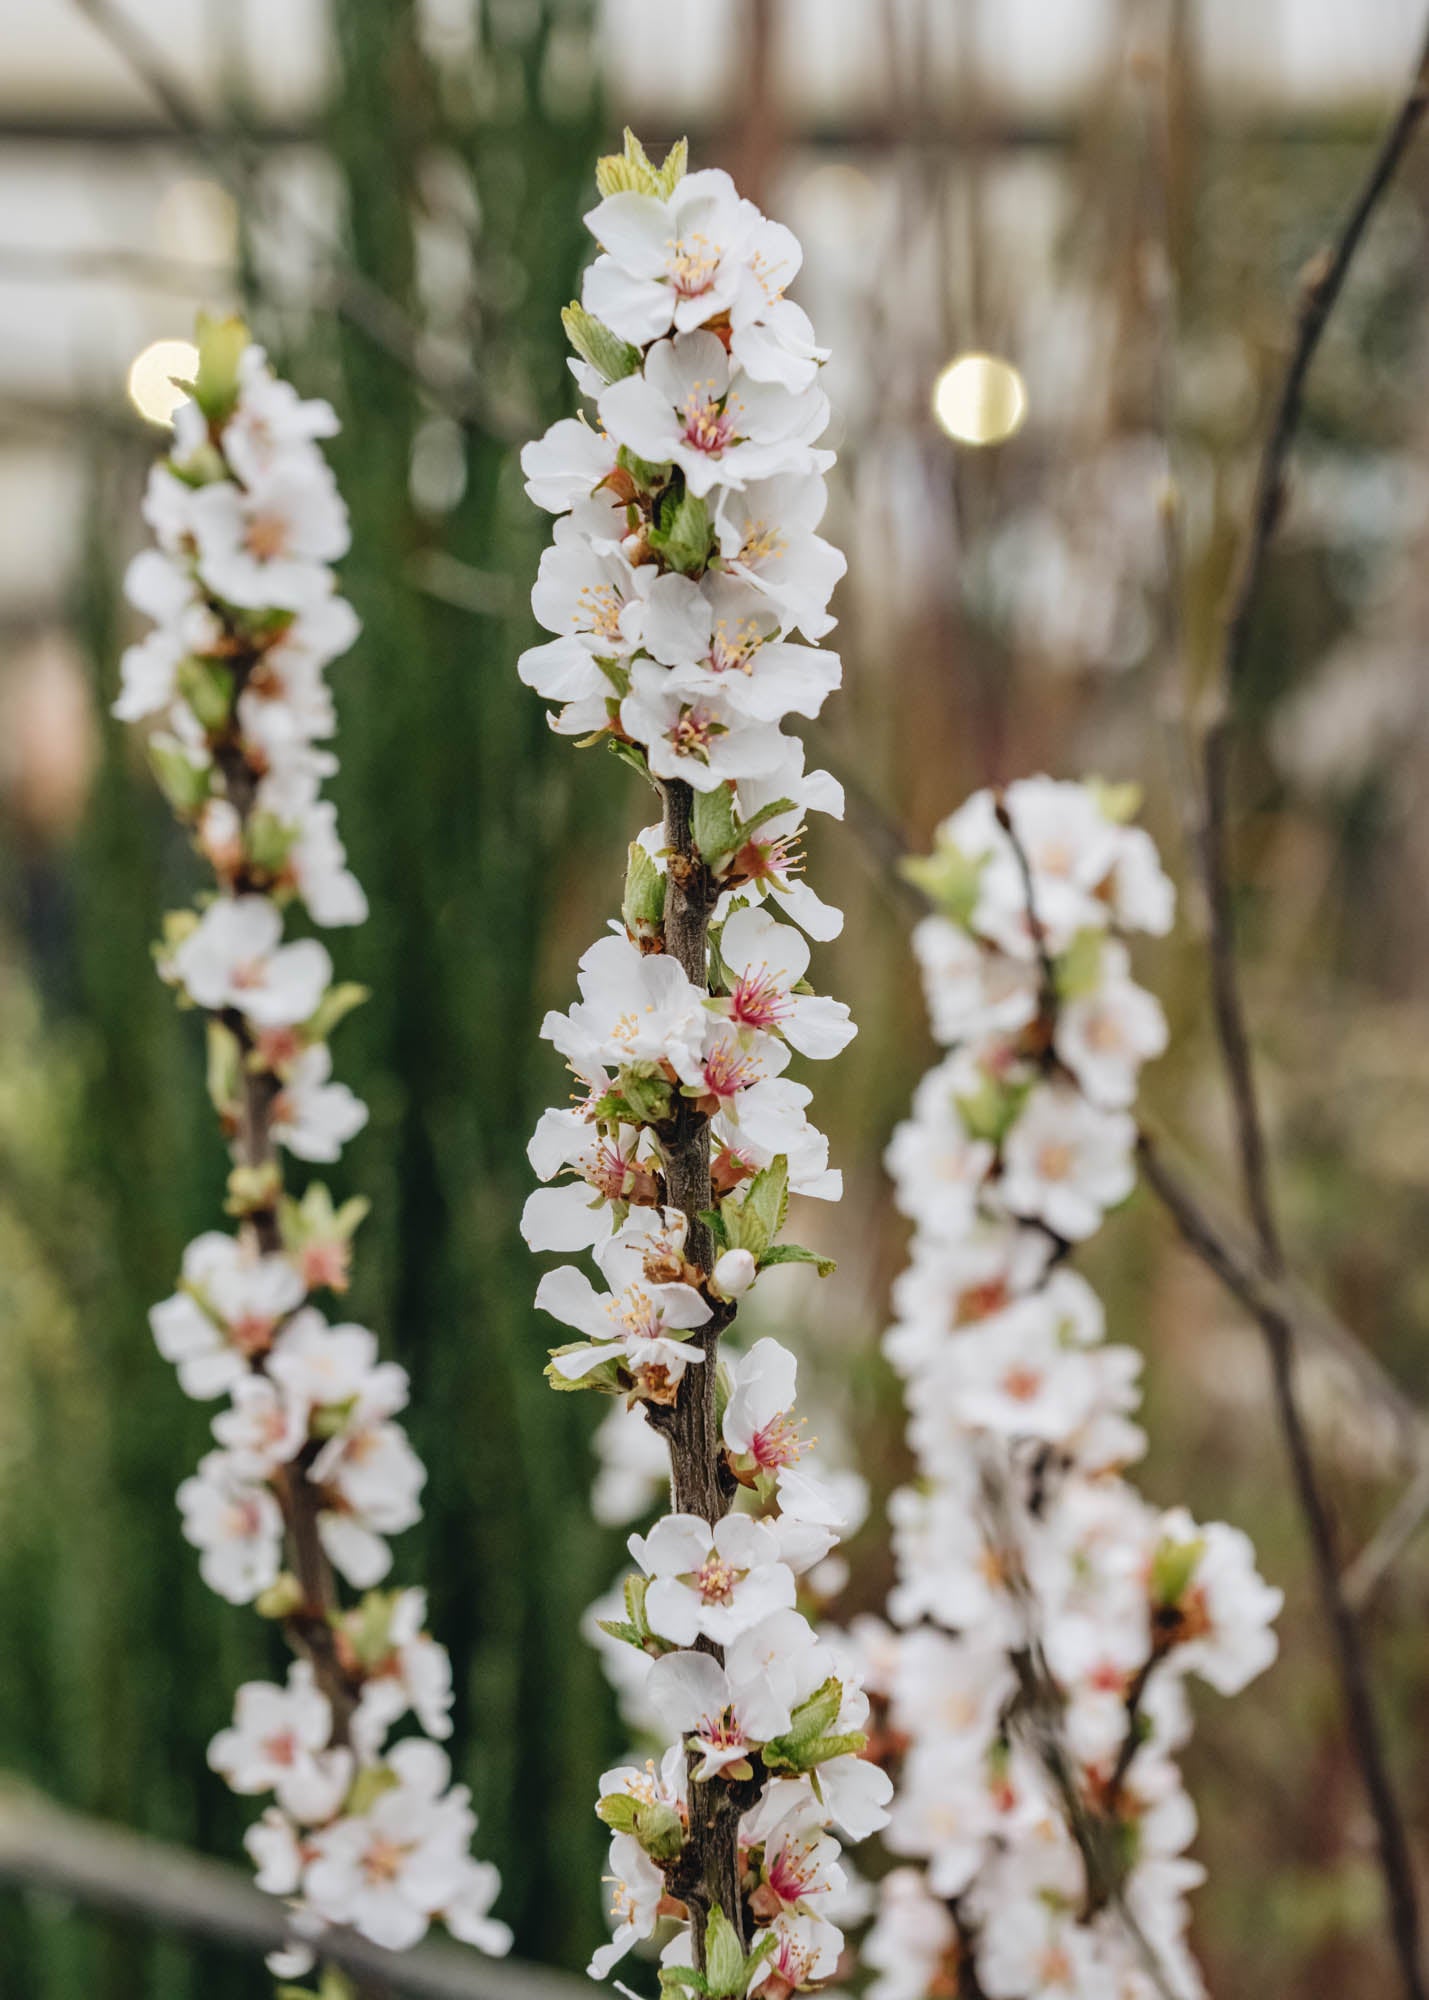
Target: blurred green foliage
<point>116,1664</point>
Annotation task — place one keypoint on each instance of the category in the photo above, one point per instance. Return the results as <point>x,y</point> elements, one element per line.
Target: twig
<point>120,1873</point>
<point>1363,1577</point>
<point>1232,1257</point>
<point>1046,971</point>
<point>364,305</point>
<point>711,1857</point>
<point>1038,1712</point>
<point>309,1629</point>
<point>1322,282</point>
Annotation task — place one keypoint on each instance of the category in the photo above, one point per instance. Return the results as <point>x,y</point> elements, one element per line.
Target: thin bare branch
<point>364,305</point>
<point>1363,1577</point>
<point>113,1871</point>
<point>1322,283</point>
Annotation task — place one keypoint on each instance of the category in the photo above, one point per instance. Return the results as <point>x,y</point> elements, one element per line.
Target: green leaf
<point>771,811</point>
<point>992,1109</point>
<point>368,1787</point>
<point>369,1626</point>
<point>762,1212</point>
<point>631,172</point>
<point>715,826</point>
<point>207,687</point>
<point>646,1092</point>
<point>814,1714</point>
<point>795,1253</point>
<point>642,471</point>
<point>1078,971</point>
<point>335,1985</point>
<point>714,1222</point>
<point>804,1743</point>
<point>1118,803</point>
<point>269,842</point>
<point>643,906</point>
<point>659,1829</point>
<point>204,466</point>
<point>724,1960</point>
<point>221,343</point>
<point>636,1587</point>
<point>683,533</point>
<point>949,879</point>
<point>336,1004</point>
<point>682,1978</point>
<point>183,783</point>
<point>630,754</point>
<point>604,1380</point>
<point>617,1810</point>
<point>1172,1567</point>
<point>671,171</point>
<point>616,1627</point>
<point>224,1067</point>
<point>801,1757</point>
<point>619,678</point>
<point>611,357</point>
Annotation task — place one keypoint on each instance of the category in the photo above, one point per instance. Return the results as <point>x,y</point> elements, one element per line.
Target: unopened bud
<point>281,1599</point>
<point>733,1274</point>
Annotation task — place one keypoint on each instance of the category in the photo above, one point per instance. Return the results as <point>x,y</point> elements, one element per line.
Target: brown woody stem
<point>710,1863</point>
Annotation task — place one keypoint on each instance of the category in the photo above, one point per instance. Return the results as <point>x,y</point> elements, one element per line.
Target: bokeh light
<point>152,387</point>
<point>980,399</point>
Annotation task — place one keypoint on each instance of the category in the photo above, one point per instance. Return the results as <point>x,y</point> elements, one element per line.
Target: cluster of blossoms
<point>310,1472</point>
<point>1031,1699</point>
<point>685,559</point>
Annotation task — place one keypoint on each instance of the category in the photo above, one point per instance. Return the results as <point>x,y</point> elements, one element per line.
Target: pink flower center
<point>791,1872</point>
<point>1103,1033</point>
<point>693,734</point>
<point>779,1443</point>
<point>1055,1160</point>
<point>605,1169</point>
<point>761,541</point>
<point>771,860</point>
<point>759,999</point>
<point>691,262</point>
<point>709,423</point>
<point>598,609</point>
<point>266,536</point>
<point>281,1749</point>
<point>382,1861</point>
<point>732,652</point>
<point>728,1069</point>
<point>251,1333</point>
<point>243,1520</point>
<point>1022,1383</point>
<point>723,1731</point>
<point>325,1264</point>
<point>715,1580</point>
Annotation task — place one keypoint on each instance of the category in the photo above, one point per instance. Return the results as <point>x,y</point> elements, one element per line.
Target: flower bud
<point>281,1599</point>
<point>733,1274</point>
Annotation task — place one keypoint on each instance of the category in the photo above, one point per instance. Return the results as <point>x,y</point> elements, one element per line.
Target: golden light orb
<point>980,399</point>
<point>152,389</point>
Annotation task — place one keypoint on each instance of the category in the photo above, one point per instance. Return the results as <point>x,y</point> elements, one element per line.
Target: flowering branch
<point>363,1835</point>
<point>685,561</point>
<point>1049,1617</point>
